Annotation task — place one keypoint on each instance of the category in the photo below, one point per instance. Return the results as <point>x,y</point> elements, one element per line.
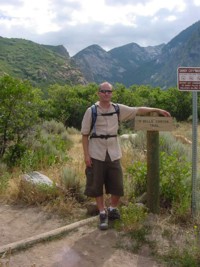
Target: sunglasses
<point>105,91</point>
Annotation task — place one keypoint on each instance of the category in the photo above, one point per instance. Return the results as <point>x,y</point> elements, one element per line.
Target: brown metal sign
<point>188,79</point>
<point>154,123</point>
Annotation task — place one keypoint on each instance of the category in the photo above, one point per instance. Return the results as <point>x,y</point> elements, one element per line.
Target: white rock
<point>37,178</point>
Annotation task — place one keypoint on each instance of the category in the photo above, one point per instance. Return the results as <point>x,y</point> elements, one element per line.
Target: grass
<point>172,240</point>
<point>168,240</point>
<point>158,237</point>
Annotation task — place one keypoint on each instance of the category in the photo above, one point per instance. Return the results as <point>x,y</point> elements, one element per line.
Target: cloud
<point>77,24</point>
<point>11,2</point>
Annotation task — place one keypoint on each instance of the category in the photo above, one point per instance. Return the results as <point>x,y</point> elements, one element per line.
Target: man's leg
<point>114,187</point>
<point>113,212</point>
<point>103,218</point>
<point>114,201</point>
<point>100,203</point>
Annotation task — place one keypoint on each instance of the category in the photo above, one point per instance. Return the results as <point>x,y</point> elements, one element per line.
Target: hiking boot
<point>103,221</point>
<point>113,214</point>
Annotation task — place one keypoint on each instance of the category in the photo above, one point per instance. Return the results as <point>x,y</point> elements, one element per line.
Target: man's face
<point>105,93</point>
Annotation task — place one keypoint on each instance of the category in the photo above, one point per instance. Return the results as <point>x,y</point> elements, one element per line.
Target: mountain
<point>98,65</point>
<point>133,64</point>
<point>130,64</point>
<point>183,50</point>
<point>116,65</point>
<point>43,65</point>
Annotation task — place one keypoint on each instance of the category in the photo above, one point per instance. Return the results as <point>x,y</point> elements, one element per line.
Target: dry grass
<point>76,159</point>
<point>65,204</point>
<point>75,162</point>
<point>11,194</point>
<point>76,156</point>
<point>164,232</point>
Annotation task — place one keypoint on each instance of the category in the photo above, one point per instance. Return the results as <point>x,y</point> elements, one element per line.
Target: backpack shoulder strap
<point>116,106</point>
<point>94,115</point>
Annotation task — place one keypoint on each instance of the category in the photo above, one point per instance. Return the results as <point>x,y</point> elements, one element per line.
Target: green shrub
<point>178,258</point>
<point>47,145</point>
<point>136,181</point>
<point>175,186</point>
<point>37,193</point>
<point>71,183</point>
<point>133,232</point>
<point>168,144</point>
<point>72,130</point>
<point>53,127</point>
<point>4,180</point>
<point>14,154</point>
<point>131,217</point>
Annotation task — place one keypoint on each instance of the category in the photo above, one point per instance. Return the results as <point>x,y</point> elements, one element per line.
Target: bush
<point>71,183</point>
<point>4,180</point>
<point>14,154</point>
<point>175,182</point>
<point>37,193</point>
<point>136,181</point>
<point>181,258</point>
<point>175,187</point>
<point>47,145</point>
<point>131,217</point>
<point>72,130</point>
<point>132,227</point>
<point>168,144</point>
<point>53,127</point>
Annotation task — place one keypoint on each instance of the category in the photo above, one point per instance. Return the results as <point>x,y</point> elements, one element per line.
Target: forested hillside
<point>41,65</point>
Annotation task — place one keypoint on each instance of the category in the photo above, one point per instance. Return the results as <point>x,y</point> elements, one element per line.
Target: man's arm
<point>145,110</point>
<point>85,144</point>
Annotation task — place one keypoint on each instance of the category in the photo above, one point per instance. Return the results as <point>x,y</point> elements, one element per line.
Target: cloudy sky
<point>77,24</point>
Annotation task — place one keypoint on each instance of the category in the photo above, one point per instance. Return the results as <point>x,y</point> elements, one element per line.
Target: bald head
<point>105,86</point>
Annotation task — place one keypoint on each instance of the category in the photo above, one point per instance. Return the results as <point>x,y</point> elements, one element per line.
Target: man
<point>102,151</point>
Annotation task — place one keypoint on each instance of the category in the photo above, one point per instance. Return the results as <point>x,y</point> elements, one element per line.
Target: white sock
<point>112,208</point>
<point>102,212</point>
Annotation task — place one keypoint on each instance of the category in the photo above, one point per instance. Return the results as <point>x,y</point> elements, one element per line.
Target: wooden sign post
<point>153,124</point>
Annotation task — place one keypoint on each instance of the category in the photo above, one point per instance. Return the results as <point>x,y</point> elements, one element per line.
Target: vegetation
<point>41,65</point>
<point>41,132</point>
<point>175,186</point>
<point>173,236</point>
<point>19,109</point>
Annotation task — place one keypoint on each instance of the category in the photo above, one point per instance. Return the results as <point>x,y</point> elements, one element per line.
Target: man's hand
<point>164,113</point>
<point>88,161</point>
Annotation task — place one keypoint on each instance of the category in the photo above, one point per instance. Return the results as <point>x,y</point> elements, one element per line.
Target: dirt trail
<point>85,247</point>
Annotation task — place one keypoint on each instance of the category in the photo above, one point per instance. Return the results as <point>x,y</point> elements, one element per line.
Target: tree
<point>68,104</point>
<point>19,107</point>
<point>178,103</point>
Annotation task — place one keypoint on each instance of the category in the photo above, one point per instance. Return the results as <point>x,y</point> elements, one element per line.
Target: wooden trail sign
<point>154,123</point>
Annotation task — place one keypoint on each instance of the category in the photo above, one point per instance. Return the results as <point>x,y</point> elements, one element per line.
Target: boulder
<point>37,178</point>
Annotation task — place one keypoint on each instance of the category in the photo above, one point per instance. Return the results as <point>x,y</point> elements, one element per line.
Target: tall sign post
<point>188,79</point>
<point>153,124</point>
